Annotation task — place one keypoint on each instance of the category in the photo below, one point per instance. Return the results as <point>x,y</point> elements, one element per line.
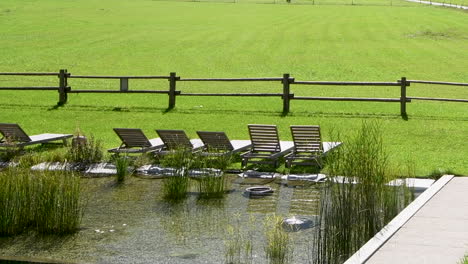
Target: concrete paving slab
<point>437,233</point>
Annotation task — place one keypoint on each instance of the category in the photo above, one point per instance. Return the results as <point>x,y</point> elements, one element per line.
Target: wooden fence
<point>287,81</point>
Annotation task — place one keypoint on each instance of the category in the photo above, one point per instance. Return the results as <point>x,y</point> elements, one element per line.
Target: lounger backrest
<point>132,137</point>
<point>215,140</point>
<point>14,132</point>
<point>307,138</point>
<point>264,138</point>
<point>174,139</point>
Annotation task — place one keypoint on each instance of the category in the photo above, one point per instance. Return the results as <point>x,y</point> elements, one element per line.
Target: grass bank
<point>312,42</point>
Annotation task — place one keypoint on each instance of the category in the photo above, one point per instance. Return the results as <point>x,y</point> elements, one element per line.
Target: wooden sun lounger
<point>266,147</point>
<point>217,143</point>
<point>308,146</point>
<point>176,140</point>
<point>14,136</point>
<point>135,141</point>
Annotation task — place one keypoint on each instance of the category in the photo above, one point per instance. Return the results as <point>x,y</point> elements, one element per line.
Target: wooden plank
<point>111,91</point>
<point>347,83</point>
<point>29,73</point>
<point>43,88</point>
<point>440,83</point>
<point>349,99</point>
<point>440,99</point>
<point>403,97</point>
<point>232,94</point>
<point>285,96</point>
<point>266,79</point>
<point>172,90</point>
<point>117,77</point>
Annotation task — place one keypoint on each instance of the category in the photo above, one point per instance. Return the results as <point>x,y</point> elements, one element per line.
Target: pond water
<point>131,223</point>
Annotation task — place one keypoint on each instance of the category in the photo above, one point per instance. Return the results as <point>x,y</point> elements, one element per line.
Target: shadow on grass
<point>210,111</point>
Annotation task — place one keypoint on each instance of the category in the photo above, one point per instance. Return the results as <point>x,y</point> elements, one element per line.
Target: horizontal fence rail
<point>286,81</point>
<point>29,73</point>
<point>117,77</point>
<point>348,83</point>
<point>266,79</point>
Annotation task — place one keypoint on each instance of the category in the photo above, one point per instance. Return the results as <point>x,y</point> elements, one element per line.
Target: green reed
<point>176,186</point>
<point>121,164</point>
<point>46,202</point>
<point>278,249</point>
<point>357,206</point>
<point>86,152</point>
<point>238,243</point>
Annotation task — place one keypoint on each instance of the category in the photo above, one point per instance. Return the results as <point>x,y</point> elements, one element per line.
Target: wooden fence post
<point>62,87</point>
<point>403,97</point>
<point>123,84</point>
<point>172,89</point>
<point>285,93</point>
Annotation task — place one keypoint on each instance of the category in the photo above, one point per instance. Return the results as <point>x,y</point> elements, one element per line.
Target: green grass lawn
<point>311,42</point>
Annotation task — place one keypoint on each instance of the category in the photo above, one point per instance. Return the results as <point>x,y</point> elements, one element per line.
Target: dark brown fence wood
<point>267,79</point>
<point>389,100</point>
<point>440,99</point>
<point>441,83</point>
<point>62,87</point>
<point>116,92</point>
<point>286,98</point>
<point>29,73</point>
<point>172,90</point>
<point>286,95</point>
<point>117,77</point>
<point>233,94</point>
<point>38,88</point>
<point>347,83</point>
<point>403,96</point>
<point>123,84</point>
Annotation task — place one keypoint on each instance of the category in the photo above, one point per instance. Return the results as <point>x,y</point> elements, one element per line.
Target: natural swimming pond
<point>132,223</point>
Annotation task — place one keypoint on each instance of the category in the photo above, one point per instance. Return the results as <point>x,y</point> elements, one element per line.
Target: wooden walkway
<point>437,233</point>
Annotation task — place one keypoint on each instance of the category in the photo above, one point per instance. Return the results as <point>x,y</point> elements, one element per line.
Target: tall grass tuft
<point>46,202</point>
<point>213,183</point>
<point>278,248</point>
<point>238,245</point>
<point>89,151</point>
<point>16,196</point>
<point>357,206</point>
<point>176,186</point>
<point>121,164</point>
<point>58,207</point>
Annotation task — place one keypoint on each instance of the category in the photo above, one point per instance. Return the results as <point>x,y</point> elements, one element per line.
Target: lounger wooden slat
<point>218,143</point>
<point>14,136</point>
<point>135,141</point>
<point>307,146</point>
<point>266,146</point>
<point>176,140</point>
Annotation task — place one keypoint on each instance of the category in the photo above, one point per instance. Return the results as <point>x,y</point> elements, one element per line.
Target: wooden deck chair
<point>176,140</point>
<point>14,136</point>
<point>266,147</point>
<point>308,147</point>
<point>135,141</point>
<point>218,143</point>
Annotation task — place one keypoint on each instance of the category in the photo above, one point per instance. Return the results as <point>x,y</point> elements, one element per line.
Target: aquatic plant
<point>355,207</point>
<point>278,248</point>
<point>58,207</point>
<point>86,152</point>
<point>212,186</point>
<point>175,187</point>
<point>238,245</point>
<point>46,202</point>
<point>121,164</point>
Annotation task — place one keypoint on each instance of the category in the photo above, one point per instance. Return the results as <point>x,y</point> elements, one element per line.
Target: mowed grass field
<point>199,39</point>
